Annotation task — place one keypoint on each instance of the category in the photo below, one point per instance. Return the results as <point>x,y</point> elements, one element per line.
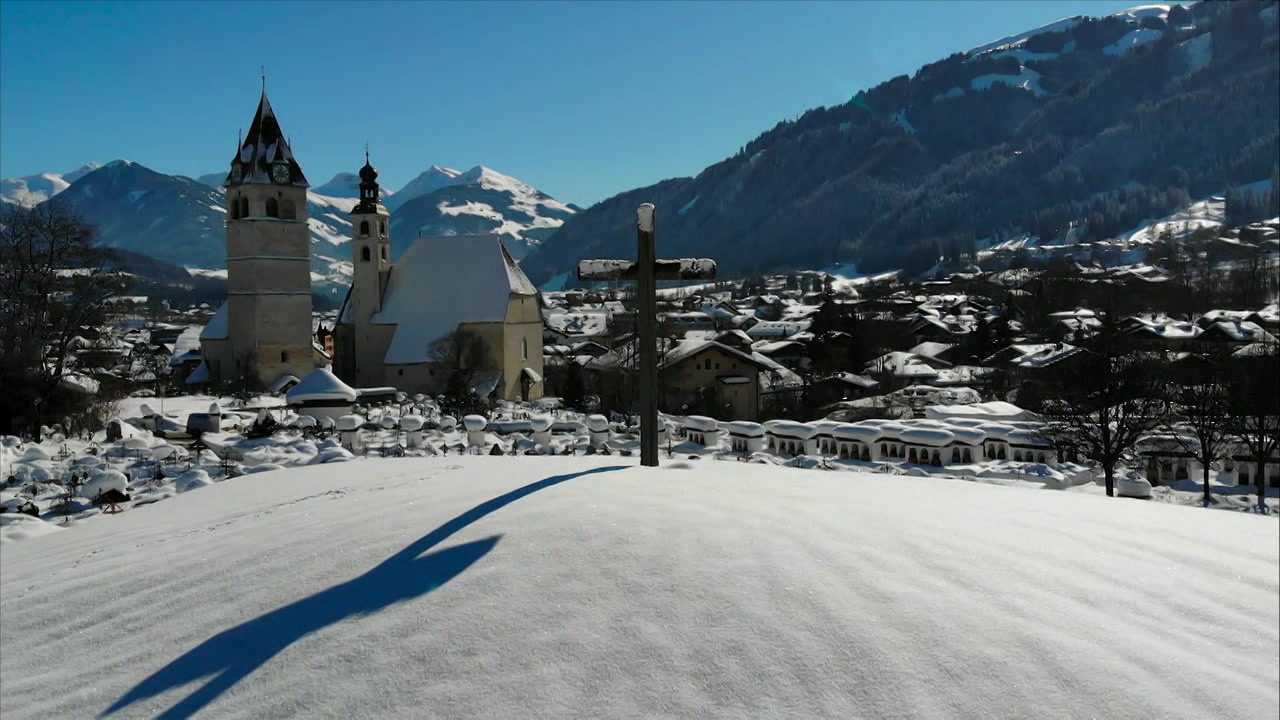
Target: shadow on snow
<point>232,655</point>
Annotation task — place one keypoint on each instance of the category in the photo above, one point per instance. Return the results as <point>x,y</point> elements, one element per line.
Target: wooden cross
<point>646,271</point>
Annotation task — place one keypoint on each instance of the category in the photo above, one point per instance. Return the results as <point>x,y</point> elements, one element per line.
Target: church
<point>395,312</point>
<point>263,330</point>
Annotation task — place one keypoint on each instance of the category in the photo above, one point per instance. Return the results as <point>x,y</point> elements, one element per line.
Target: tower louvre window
<point>384,252</point>
<point>364,228</point>
<point>244,206</point>
<point>364,254</point>
<point>288,210</point>
<point>273,208</point>
<point>382,228</point>
<point>234,212</point>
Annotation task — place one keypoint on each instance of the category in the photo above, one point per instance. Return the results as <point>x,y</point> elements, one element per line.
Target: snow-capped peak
<point>32,190</point>
<point>345,185</point>
<point>429,181</point>
<point>80,172</point>
<point>493,180</point>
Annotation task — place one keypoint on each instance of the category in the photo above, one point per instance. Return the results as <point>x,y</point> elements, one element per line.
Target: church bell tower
<point>371,258</point>
<point>268,310</point>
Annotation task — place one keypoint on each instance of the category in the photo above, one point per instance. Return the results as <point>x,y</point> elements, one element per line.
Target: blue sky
<point>581,99</point>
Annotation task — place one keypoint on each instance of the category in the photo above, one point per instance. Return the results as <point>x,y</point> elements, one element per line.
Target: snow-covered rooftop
<point>217,327</point>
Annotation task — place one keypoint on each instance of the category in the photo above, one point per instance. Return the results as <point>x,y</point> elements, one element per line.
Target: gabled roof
<point>931,349</point>
<point>1242,332</point>
<point>897,360</point>
<point>441,283</point>
<point>263,147</point>
<point>685,350</point>
<point>1036,355</point>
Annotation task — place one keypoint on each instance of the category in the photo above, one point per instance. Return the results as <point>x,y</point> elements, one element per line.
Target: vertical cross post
<point>647,291</point>
<point>646,271</point>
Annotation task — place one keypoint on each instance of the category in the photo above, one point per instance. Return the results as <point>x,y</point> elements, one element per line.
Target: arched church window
<point>234,211</point>
<point>364,254</point>
<point>382,228</point>
<point>244,206</point>
<point>273,208</point>
<point>364,229</point>
<point>287,210</point>
<point>384,252</point>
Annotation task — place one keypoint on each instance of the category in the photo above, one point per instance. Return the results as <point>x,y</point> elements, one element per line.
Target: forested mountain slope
<point>1104,121</point>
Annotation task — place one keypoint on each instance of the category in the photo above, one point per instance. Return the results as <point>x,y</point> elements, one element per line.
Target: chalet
<point>1160,332</point>
<point>948,329</point>
<point>843,386</point>
<point>898,368</point>
<point>1235,332</point>
<point>720,376</point>
<point>786,352</point>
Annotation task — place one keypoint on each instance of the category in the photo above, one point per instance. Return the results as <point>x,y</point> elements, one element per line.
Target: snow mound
<point>103,481</point>
<point>193,479</point>
<point>578,587</point>
<point>17,526</point>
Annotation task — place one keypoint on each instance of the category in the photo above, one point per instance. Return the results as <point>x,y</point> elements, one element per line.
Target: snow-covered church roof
<point>440,283</point>
<point>216,328</point>
<point>263,148</point>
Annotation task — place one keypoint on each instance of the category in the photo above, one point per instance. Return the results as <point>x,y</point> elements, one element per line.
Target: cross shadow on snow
<point>232,655</point>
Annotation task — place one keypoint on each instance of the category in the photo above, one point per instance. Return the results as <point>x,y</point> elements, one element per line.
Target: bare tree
<point>1199,424</point>
<point>1253,390</point>
<point>52,282</point>
<point>1110,399</point>
<point>154,363</point>
<point>460,356</point>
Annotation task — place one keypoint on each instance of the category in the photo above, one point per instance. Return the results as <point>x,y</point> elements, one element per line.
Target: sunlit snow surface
<point>588,587</point>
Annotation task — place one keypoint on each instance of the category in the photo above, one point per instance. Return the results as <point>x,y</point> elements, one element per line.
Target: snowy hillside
<point>586,587</point>
<point>35,189</point>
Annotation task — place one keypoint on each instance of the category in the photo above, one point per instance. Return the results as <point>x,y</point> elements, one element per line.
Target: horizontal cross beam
<point>629,270</point>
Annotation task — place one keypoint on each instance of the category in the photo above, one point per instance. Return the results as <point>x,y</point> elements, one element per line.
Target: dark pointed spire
<point>264,155</point>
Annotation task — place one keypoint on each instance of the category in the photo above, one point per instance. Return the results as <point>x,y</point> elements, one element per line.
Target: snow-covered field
<point>586,587</point>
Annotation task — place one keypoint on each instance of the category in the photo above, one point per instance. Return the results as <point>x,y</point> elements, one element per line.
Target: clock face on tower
<point>280,174</point>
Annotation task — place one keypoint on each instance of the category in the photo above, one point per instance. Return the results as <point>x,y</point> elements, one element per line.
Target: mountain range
<point>1093,125</point>
<point>35,189</point>
<point>179,220</point>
